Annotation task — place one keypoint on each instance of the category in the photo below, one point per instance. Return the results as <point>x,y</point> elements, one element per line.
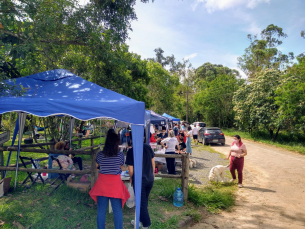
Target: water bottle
<point>178,198</point>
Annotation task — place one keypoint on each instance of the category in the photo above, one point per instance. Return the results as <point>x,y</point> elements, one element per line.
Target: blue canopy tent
<point>171,117</point>
<point>59,92</point>
<point>156,118</point>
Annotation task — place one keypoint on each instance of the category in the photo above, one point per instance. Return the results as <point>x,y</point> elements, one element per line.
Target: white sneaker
<point>232,180</point>
<point>240,185</point>
<point>140,224</point>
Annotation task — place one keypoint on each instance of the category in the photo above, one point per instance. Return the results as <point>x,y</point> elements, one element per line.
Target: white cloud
<point>213,5</point>
<point>190,56</point>
<point>253,29</point>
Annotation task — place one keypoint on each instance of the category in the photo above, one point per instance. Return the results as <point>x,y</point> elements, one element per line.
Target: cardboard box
<point>4,185</point>
<point>83,186</point>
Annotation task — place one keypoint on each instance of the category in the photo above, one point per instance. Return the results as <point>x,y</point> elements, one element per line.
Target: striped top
<point>110,165</point>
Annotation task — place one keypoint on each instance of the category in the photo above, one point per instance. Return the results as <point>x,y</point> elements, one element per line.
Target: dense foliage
<point>89,40</point>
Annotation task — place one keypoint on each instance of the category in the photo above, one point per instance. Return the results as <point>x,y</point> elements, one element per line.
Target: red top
<point>152,139</point>
<point>109,185</point>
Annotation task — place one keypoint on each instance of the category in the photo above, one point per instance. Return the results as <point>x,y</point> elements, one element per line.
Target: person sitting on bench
<point>37,135</point>
<point>75,160</point>
<point>58,146</point>
<point>65,161</point>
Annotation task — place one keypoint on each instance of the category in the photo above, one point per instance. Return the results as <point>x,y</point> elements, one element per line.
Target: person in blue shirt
<point>176,129</point>
<point>162,135</point>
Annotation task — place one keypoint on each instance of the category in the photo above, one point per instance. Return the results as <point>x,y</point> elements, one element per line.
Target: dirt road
<point>273,195</point>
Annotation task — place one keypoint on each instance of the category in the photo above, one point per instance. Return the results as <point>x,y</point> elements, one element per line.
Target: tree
<point>290,97</point>
<point>213,104</point>
<point>255,105</point>
<point>263,53</point>
<point>161,88</point>
<point>87,40</point>
<point>209,72</point>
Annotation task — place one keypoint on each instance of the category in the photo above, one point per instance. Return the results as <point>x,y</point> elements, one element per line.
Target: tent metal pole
<point>22,117</point>
<point>13,142</point>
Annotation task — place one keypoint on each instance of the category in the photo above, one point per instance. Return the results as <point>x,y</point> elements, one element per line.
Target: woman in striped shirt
<point>109,185</point>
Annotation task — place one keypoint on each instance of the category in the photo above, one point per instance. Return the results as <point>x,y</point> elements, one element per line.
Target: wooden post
<point>1,162</point>
<point>185,175</point>
<point>80,143</point>
<point>92,142</point>
<point>52,146</point>
<point>93,168</point>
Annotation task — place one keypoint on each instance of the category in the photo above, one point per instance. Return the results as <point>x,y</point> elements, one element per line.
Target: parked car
<point>209,135</point>
<point>198,125</point>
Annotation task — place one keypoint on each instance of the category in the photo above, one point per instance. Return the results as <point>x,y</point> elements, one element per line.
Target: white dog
<point>217,173</point>
<point>193,163</point>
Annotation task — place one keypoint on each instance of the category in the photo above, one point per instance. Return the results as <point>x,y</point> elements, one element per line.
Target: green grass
<point>293,142</point>
<point>214,197</point>
<point>69,208</point>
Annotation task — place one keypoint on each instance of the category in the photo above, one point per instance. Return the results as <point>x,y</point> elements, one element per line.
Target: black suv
<point>209,135</point>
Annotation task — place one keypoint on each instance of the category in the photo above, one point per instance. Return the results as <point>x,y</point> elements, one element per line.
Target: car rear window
<point>202,124</point>
<point>213,131</point>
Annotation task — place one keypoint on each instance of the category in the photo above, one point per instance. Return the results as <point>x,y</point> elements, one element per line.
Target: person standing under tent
<point>171,142</point>
<point>148,177</point>
<point>182,134</point>
<point>162,135</point>
<point>125,136</point>
<point>183,127</point>
<point>176,131</point>
<point>195,134</point>
<point>109,185</point>
<point>188,140</point>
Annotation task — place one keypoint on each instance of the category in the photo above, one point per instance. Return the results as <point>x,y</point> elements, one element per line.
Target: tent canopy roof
<point>173,118</point>
<point>61,92</point>
<point>157,118</point>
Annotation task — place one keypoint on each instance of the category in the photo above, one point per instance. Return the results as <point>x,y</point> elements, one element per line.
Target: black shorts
<point>195,137</point>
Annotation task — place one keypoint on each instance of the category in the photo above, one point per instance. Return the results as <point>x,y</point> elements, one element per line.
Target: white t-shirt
<point>190,133</point>
<point>195,131</point>
<point>170,143</point>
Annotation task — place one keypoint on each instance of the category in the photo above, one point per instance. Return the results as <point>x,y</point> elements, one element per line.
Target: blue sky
<point>213,30</point>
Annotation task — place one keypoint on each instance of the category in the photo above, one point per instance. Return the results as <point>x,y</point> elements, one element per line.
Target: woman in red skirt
<point>109,185</point>
<point>237,152</point>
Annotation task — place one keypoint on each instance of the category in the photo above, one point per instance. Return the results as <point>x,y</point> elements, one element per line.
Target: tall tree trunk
<point>271,134</point>
<point>276,134</point>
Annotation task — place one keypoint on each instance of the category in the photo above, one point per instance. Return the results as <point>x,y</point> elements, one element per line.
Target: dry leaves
<point>64,218</point>
<point>89,205</point>
<point>1,222</point>
<point>163,198</point>
<point>18,225</point>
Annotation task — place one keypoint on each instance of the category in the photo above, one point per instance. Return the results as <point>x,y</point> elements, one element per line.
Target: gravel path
<point>205,161</point>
